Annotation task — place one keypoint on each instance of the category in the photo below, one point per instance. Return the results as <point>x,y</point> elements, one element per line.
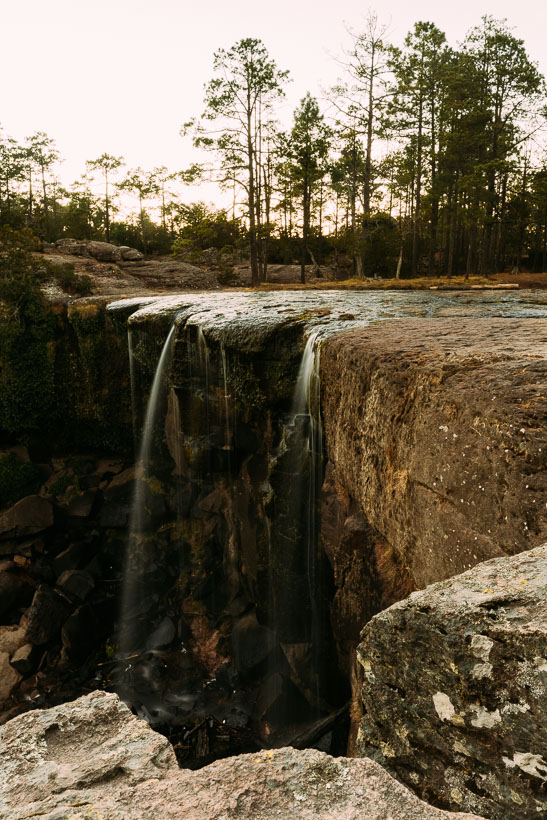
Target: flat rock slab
<point>455,690</point>
<point>92,758</point>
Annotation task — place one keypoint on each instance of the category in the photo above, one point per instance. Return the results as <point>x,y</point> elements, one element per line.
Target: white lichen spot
<point>533,765</point>
<point>456,795</point>
<point>515,708</point>
<point>485,719</point>
<point>443,706</point>
<point>481,646</point>
<point>461,749</point>
<point>482,670</point>
<point>444,428</point>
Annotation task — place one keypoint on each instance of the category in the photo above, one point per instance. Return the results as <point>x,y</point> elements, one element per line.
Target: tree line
<point>423,159</point>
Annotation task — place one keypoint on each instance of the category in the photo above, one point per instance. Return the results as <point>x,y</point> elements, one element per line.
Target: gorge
<point>304,461</point>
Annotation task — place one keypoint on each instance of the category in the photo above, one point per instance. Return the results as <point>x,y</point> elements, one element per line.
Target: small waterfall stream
<point>307,413</point>
<point>134,563</point>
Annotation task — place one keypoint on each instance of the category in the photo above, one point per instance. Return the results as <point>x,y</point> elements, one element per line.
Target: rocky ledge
<point>455,690</point>
<point>92,759</point>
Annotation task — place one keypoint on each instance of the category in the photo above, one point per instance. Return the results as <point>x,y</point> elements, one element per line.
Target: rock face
<point>92,758</point>
<point>436,443</point>
<point>455,690</point>
<point>435,429</point>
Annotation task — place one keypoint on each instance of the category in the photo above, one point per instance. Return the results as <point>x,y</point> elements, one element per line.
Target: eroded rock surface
<point>455,690</point>
<point>92,758</point>
<point>436,429</point>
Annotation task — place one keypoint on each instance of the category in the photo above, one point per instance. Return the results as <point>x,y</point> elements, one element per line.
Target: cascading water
<point>132,591</point>
<point>228,443</point>
<point>309,440</point>
<point>221,590</point>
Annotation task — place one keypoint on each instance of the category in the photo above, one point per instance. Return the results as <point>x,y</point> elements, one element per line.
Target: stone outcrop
<point>455,690</point>
<point>436,430</point>
<point>103,251</point>
<point>92,758</point>
<point>436,443</point>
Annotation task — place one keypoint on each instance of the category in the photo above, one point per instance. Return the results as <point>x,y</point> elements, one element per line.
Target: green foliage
<point>71,282</point>
<point>205,227</point>
<point>17,479</point>
<point>27,339</point>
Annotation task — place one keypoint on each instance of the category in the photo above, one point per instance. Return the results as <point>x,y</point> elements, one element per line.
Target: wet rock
<point>81,505</point>
<point>72,557</point>
<point>46,615</point>
<point>11,638</point>
<point>164,635</point>
<point>118,497</point>
<point>251,642</point>
<point>15,590</point>
<point>9,678</point>
<point>79,633</point>
<point>94,755</point>
<point>24,659</point>
<point>76,583</point>
<point>455,690</point>
<point>29,516</point>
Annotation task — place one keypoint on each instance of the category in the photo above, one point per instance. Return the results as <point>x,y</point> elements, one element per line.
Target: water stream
<point>131,605</point>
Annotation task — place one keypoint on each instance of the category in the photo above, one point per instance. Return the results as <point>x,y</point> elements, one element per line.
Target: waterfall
<point>228,442</point>
<point>306,403</point>
<point>135,560</point>
<point>132,382</point>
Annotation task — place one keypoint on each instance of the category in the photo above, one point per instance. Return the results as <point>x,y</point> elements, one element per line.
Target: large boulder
<point>130,254</point>
<point>103,251</point>
<point>29,516</point>
<point>46,615</point>
<point>92,757</point>
<point>455,691</point>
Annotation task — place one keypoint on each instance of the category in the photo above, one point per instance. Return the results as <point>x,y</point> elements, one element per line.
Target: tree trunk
<point>106,211</point>
<point>399,264</point>
<point>144,244</point>
<point>252,224</point>
<point>367,185</point>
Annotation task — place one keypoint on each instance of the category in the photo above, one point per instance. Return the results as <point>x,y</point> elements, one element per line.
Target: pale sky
<point>121,76</point>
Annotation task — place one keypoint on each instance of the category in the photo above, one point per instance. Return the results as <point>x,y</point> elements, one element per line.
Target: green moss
<point>245,387</point>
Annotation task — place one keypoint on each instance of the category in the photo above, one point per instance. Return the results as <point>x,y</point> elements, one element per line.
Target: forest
<point>423,160</point>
